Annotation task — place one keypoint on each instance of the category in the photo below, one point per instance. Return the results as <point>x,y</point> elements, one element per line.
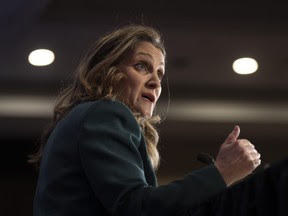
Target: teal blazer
<point>95,162</point>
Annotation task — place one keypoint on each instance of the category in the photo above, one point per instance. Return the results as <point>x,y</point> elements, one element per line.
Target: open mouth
<point>149,97</point>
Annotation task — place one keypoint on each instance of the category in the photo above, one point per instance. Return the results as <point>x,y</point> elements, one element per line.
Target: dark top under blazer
<point>95,163</point>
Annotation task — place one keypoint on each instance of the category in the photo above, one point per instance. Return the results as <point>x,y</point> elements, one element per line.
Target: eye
<point>141,66</point>
<point>160,75</point>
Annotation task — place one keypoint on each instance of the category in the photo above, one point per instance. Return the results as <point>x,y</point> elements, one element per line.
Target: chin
<point>146,113</point>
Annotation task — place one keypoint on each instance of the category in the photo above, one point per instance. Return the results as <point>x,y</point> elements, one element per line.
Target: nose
<point>154,82</point>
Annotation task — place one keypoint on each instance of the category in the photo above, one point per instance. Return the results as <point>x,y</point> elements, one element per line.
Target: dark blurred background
<point>207,98</point>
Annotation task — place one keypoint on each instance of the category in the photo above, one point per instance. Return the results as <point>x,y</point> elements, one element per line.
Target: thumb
<point>233,136</point>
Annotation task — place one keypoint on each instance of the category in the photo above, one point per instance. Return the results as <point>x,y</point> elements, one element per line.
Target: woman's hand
<point>236,158</point>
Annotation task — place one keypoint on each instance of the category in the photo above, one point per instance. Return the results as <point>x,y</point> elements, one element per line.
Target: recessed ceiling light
<point>41,57</point>
<point>245,65</point>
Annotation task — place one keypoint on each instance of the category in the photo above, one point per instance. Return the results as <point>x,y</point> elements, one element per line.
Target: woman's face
<point>144,69</point>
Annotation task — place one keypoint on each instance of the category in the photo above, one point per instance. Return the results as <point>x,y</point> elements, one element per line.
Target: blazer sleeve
<point>108,146</point>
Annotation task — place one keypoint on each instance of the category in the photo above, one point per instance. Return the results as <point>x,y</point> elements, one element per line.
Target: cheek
<point>130,90</point>
<point>131,85</point>
<point>135,84</point>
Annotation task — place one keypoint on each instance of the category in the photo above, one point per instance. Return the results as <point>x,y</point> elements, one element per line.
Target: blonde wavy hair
<point>97,77</point>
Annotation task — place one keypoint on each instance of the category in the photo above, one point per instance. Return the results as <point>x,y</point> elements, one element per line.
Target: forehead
<point>148,48</point>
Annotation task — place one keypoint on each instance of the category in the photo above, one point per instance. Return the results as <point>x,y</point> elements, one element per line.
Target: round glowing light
<point>245,66</point>
<point>41,57</point>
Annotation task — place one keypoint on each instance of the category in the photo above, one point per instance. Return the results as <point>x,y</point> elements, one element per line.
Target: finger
<point>233,136</point>
<point>257,162</point>
<point>245,142</point>
<point>250,148</point>
<point>255,155</point>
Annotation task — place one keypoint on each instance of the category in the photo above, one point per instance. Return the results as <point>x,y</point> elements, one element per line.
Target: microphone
<point>205,158</point>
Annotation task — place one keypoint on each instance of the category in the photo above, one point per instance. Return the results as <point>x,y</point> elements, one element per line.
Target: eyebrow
<point>149,56</point>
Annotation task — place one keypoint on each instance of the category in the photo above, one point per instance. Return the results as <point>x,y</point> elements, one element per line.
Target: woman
<point>99,155</point>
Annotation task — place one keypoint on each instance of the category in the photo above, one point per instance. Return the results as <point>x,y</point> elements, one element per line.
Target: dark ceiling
<point>203,38</point>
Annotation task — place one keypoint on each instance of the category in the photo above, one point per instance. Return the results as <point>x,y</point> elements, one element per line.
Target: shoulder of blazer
<point>108,112</point>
